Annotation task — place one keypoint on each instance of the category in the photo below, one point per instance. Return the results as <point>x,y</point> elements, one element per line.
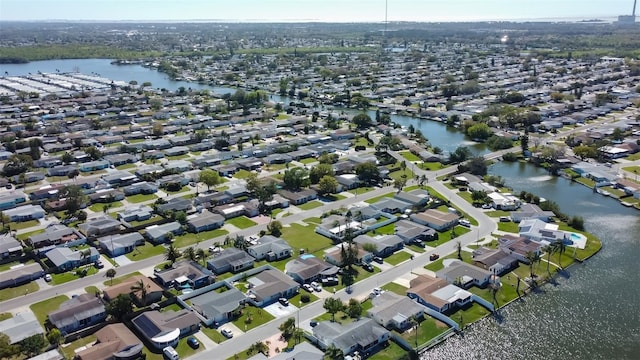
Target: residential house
<point>218,307</point>
<point>540,231</point>
<point>494,260</point>
<point>436,219</point>
<point>21,326</point>
<point>277,202</point>
<point>519,247</point>
<point>45,192</point>
<point>385,245</point>
<point>64,259</point>
<point>299,197</point>
<point>56,235</point>
<point>204,221</point>
<point>531,211</point>
<point>464,275</point>
<point>348,181</point>
<point>94,165</point>
<point>249,208</point>
<point>417,197</point>
<point>504,201</point>
<point>236,191</point>
<point>78,313</point>
<point>303,350</point>
<point>175,205</point>
<point>11,199</point>
<point>20,274</point>
<point>411,232</point>
<point>153,291</point>
<point>395,311</point>
<point>61,170</point>
<point>334,255</point>
<point>135,213</point>
<point>162,329</point>
<point>437,294</point>
<point>271,248</point>
<point>185,274</point>
<point>106,196</point>
<point>363,336</point>
<point>391,205</point>
<point>102,225</point>
<point>230,259</point>
<point>212,199</point>
<point>119,178</point>
<point>160,233</point>
<point>142,187</point>
<point>268,286</point>
<point>308,268</point>
<point>24,213</point>
<point>120,244</point>
<point>9,247</point>
<point>114,341</point>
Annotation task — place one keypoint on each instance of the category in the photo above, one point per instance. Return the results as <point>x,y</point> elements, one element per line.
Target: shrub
<point>304,298</point>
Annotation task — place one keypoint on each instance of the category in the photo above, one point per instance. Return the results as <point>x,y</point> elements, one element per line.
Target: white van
<point>465,222</point>
<point>170,353</point>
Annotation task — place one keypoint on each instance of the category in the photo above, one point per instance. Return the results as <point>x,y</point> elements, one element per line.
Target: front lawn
<point>145,251</point>
<point>68,350</point>
<point>398,174</point>
<point>126,166</point>
<point>333,197</point>
<point>213,334</point>
<point>415,248</point>
<point>310,205</point>
<point>26,235</point>
<point>241,174</point>
<point>241,222</point>
<point>138,198</point>
<point>23,224</point>
<point>297,302</point>
<point>252,317</point>
<point>194,238</point>
<point>42,309</point>
<point>305,237</point>
<point>62,278</point>
<point>389,229</point>
<point>398,257</point>
<point>8,265</point>
<point>445,236</point>
<point>361,190</point>
<point>391,352</point>
<point>409,155</point>
<point>99,207</point>
<point>497,213</point>
<point>429,328</point>
<point>395,288</point>
<point>378,198</point>
<point>308,161</point>
<point>431,166</point>
<point>12,292</point>
<point>508,226</point>
<point>120,279</point>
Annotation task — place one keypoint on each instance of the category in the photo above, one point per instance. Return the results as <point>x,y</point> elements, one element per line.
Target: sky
<point>310,10</point>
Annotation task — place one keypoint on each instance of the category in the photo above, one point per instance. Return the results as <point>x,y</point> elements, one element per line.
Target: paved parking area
<point>278,310</point>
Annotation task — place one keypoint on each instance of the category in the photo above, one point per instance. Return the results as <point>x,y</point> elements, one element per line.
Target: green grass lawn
<point>145,222</point>
<point>445,236</point>
<point>68,350</point>
<point>310,205</point>
<point>334,197</point>
<point>409,155</point>
<point>23,224</point>
<point>5,316</point>
<point>437,265</point>
<point>62,278</point>
<point>26,235</point>
<point>99,207</point>
<point>313,220</point>
<point>8,265</point>
<point>398,257</point>
<point>120,279</point>
<point>182,189</point>
<point>431,166</point>
<point>469,314</point>
<point>241,174</point>
<point>42,309</point>
<point>305,237</point>
<point>179,157</point>
<point>361,190</point>
<point>12,292</point>
<point>497,213</point>
<point>241,222</point>
<point>126,166</point>
<point>583,180</point>
<point>192,238</point>
<point>258,317</point>
<point>308,161</point>
<point>145,251</point>
<point>391,352</point>
<point>362,141</point>
<point>296,299</point>
<point>508,226</point>
<point>213,334</point>
<point>91,289</point>
<point>395,288</point>
<point>429,328</point>
<point>389,229</point>
<point>399,173</point>
<point>374,200</point>
<point>138,198</point>
<point>415,248</point>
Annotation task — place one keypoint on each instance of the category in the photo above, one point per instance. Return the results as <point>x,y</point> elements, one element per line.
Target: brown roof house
<point>164,329</point>
<point>114,341</point>
<point>130,286</point>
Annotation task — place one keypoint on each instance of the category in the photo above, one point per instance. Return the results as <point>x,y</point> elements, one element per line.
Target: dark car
<point>367,267</point>
<point>378,259</point>
<point>313,323</point>
<point>433,257</point>
<point>98,264</point>
<point>193,342</point>
<point>283,301</point>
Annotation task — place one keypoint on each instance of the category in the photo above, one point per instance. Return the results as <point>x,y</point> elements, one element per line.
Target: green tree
<point>533,257</point>
<point>368,173</point>
<point>460,154</point>
<point>7,351</point>
<point>190,253</point>
<point>111,273</point>
<point>54,336</point>
<point>559,246</point>
<point>74,197</point>
<point>317,172</point>
<point>210,178</point>
<point>120,306</point>
<point>326,158</point>
<point>478,197</point>
<point>333,353</point>
<point>328,185</point>
<point>585,151</point>
<point>480,131</point>
<point>172,254</point>
<point>275,228</point>
<point>354,309</point>
<point>287,328</point>
<point>32,345</point>
<point>140,289</point>
<point>362,121</point>
<point>296,178</point>
<point>202,255</point>
<point>400,182</point>
<point>157,129</point>
<point>333,306</point>
<point>17,164</point>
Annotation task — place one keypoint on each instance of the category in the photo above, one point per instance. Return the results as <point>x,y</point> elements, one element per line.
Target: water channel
<point>592,314</point>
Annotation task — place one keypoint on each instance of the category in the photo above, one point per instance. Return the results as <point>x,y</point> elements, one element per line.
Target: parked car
<point>367,267</point>
<point>48,277</point>
<point>193,342</point>
<point>170,353</point>
<point>98,264</point>
<point>433,257</point>
<point>465,222</point>
<point>215,249</point>
<point>378,259</point>
<point>283,301</point>
<point>227,333</point>
<point>329,281</point>
<point>307,287</point>
<point>316,286</point>
<point>313,323</point>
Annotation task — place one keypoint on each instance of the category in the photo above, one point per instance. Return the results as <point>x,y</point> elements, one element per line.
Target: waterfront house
<point>363,336</point>
<point>531,211</point>
<point>437,294</point>
<point>519,247</point>
<point>78,313</point>
<point>494,260</point>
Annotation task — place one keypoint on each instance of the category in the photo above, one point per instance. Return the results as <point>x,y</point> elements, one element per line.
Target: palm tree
<point>190,253</point>
<point>140,288</point>
<point>298,333</point>
<point>533,257</point>
<point>111,273</point>
<point>333,353</point>
<point>459,249</point>
<point>202,255</point>
<point>549,250</point>
<point>172,254</point>
<point>560,247</point>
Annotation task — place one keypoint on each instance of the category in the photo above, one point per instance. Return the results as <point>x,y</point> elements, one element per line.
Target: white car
<point>227,333</point>
<point>307,287</point>
<point>48,277</point>
<point>316,286</point>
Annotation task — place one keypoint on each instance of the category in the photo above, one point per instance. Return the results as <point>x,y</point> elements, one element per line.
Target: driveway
<point>278,311</point>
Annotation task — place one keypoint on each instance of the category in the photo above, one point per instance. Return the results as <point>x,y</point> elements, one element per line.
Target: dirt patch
<point>275,342</point>
<point>440,324</point>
